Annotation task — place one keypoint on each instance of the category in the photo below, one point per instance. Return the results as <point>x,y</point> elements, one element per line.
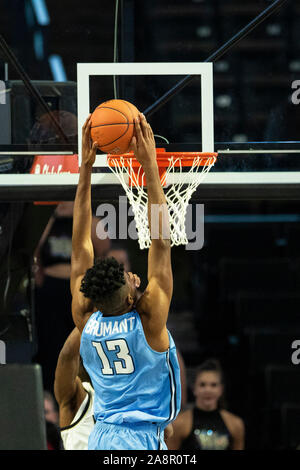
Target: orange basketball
<point>113,125</point>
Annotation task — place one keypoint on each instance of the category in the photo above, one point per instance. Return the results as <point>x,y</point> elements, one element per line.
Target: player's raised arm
<point>155,302</point>
<point>82,247</point>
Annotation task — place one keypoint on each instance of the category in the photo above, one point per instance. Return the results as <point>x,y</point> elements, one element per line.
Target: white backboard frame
<point>205,70</point>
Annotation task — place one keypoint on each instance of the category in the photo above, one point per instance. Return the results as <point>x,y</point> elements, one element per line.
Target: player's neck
<point>119,312</point>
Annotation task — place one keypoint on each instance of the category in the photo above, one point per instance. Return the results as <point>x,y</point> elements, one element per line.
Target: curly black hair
<point>102,280</point>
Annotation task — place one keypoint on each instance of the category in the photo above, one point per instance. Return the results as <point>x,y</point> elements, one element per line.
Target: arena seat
<point>290,429</point>
<point>282,385</point>
<point>255,275</point>
<point>271,313</point>
<point>270,348</point>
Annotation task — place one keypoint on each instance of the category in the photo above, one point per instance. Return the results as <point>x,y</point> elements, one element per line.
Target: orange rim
<point>179,159</point>
<point>183,159</point>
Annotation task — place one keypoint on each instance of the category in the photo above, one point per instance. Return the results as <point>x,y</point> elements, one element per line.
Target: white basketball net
<point>177,194</point>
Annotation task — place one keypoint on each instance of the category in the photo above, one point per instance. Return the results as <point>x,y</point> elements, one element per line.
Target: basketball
<point>113,125</point>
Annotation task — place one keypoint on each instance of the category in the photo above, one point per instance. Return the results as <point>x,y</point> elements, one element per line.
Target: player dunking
<point>125,345</point>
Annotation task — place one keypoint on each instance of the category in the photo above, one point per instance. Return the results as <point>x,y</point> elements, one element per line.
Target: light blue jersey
<point>132,382</point>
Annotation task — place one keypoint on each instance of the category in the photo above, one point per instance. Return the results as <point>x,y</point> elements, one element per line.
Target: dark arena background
<point>237,290</point>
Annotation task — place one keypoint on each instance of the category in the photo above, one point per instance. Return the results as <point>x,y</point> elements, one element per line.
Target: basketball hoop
<point>131,176</point>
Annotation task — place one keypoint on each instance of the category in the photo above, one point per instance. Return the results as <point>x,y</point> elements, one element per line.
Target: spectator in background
<point>118,252</point>
<point>54,441</point>
<point>45,132</point>
<point>52,294</point>
<point>50,408</point>
<point>207,425</point>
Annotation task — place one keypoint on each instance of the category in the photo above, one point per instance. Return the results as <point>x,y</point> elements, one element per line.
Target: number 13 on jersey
<point>115,348</point>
